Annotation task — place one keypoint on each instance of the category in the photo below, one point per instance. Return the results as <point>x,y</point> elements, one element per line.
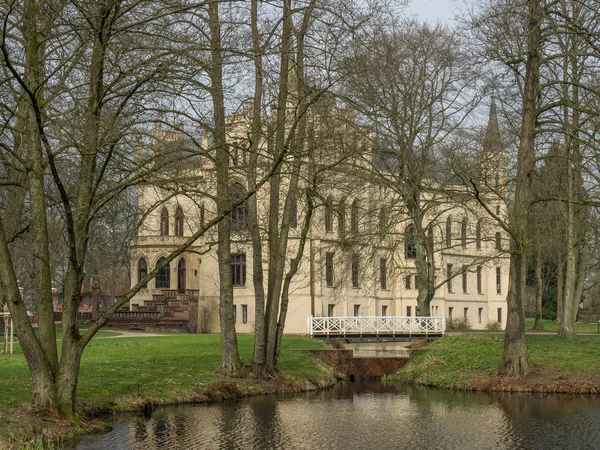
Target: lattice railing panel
<point>375,325</point>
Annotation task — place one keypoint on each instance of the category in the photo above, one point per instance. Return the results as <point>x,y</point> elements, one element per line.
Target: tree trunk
<point>580,280</point>
<point>292,272</point>
<point>539,290</point>
<point>278,235</point>
<point>425,265</point>
<point>559,292</point>
<point>515,360</point>
<point>259,356</point>
<point>68,376</point>
<point>230,360</point>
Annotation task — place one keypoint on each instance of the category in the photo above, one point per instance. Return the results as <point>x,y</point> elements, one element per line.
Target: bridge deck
<point>375,326</point>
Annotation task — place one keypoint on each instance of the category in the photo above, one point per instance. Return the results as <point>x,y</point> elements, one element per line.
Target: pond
<point>366,416</point>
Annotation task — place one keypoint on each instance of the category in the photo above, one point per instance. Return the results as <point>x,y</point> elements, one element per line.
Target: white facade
<point>342,271</point>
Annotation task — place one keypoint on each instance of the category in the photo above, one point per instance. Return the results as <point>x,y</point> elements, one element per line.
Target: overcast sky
<point>434,10</point>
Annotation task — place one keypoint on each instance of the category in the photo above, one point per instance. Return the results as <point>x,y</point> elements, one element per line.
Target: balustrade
<point>375,325</point>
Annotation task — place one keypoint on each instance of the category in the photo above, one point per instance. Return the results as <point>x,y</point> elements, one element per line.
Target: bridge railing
<point>375,325</point>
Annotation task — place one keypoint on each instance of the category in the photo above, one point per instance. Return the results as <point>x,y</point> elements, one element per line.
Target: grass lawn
<point>457,361</point>
<point>158,368</point>
<point>551,325</point>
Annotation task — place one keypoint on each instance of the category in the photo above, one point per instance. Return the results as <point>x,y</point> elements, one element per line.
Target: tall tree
<point>412,83</point>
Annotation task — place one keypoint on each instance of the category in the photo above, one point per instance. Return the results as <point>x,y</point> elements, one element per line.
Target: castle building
<point>359,257</point>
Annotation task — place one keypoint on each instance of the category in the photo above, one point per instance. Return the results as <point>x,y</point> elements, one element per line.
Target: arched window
<point>142,270</point>
<point>478,235</point>
<point>449,232</point>
<point>239,215</point>
<point>329,215</point>
<point>382,222</point>
<point>181,275</point>
<point>354,216</point>
<point>163,278</point>
<point>164,222</point>
<point>410,248</point>
<point>178,221</point>
<point>341,219</point>
<point>463,233</point>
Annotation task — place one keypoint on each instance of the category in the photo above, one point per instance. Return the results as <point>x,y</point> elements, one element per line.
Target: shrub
<point>493,326</point>
<point>457,324</point>
<point>338,344</point>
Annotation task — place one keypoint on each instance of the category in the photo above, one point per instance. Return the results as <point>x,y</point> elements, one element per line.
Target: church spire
<point>492,141</point>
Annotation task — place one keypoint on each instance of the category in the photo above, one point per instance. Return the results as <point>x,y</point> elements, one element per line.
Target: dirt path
<point>126,334</point>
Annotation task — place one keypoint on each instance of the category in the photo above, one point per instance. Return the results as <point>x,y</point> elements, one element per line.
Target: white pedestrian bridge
<point>376,326</point>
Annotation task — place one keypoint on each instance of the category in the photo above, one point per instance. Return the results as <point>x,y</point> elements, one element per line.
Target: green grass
<point>455,361</point>
<point>159,368</point>
<point>553,326</point>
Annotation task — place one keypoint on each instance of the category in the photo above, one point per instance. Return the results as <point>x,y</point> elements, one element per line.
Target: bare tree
<point>413,86</point>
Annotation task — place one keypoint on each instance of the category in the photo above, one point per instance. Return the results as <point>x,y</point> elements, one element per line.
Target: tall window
<point>450,310</point>
<point>234,151</point>
<point>498,280</point>
<point>407,281</point>
<point>163,278</point>
<point>142,270</point>
<point>181,275</point>
<point>329,215</point>
<point>499,315</point>
<point>164,222</point>
<point>330,310</point>
<point>479,284</point>
<point>478,235</point>
<point>178,221</point>
<point>356,310</point>
<point>409,311</point>
<point>449,276</point>
<point>449,232</point>
<point>202,215</point>
<point>294,214</point>
<point>329,269</point>
<point>384,310</point>
<point>498,241</point>
<point>244,313</point>
<point>466,315</point>
<point>410,248</point>
<point>383,273</point>
<point>497,210</point>
<point>355,270</point>
<point>463,233</point>
<point>382,222</point>
<point>354,216</point>
<point>479,314</point>
<point>464,279</point>
<point>238,269</point>
<point>341,219</point>
<point>239,215</point>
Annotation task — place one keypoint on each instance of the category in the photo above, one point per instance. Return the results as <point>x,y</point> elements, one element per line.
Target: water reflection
<point>371,416</point>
